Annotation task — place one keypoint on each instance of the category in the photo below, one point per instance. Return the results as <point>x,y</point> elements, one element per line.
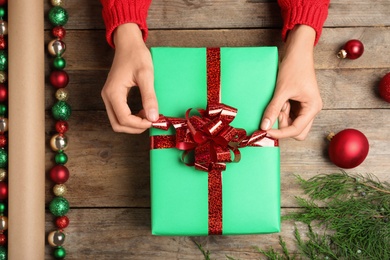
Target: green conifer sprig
<point>354,214</point>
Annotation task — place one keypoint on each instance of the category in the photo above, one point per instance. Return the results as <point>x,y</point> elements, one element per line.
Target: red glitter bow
<point>211,137</point>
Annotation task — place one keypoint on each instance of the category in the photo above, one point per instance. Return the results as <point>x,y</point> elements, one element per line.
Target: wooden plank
<point>125,234</point>
<point>88,50</point>
<point>340,89</point>
<point>211,14</point>
<point>112,170</point>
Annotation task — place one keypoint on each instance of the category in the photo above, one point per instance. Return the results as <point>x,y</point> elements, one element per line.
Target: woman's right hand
<point>132,66</point>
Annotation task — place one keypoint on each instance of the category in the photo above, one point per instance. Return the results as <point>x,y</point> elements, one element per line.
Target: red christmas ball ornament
<point>384,87</point>
<point>3,141</point>
<point>3,240</point>
<point>3,190</point>
<point>59,174</point>
<point>59,78</point>
<point>62,126</point>
<point>58,32</point>
<point>348,148</point>
<point>3,43</point>
<point>3,93</point>
<point>352,49</point>
<point>62,222</point>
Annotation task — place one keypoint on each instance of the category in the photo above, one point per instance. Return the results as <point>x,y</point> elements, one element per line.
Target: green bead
<point>2,207</point>
<point>61,110</point>
<point>61,158</point>
<point>3,253</point>
<point>2,12</point>
<point>59,206</point>
<point>3,60</point>
<point>3,158</point>
<point>58,16</point>
<point>59,253</point>
<point>3,109</point>
<point>59,63</point>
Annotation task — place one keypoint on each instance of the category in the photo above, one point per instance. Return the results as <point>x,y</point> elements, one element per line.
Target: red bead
<point>3,2</point>
<point>59,174</point>
<point>3,43</point>
<point>62,222</point>
<point>59,32</point>
<point>3,141</point>
<point>59,78</point>
<point>3,240</point>
<point>3,190</point>
<point>384,87</point>
<point>3,93</point>
<point>354,49</point>
<point>62,126</point>
<point>348,148</point>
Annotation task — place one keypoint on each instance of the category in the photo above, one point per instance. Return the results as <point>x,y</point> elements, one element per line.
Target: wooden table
<point>109,185</point>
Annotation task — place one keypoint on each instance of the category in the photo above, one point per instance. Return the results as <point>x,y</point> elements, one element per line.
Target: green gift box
<point>251,187</point>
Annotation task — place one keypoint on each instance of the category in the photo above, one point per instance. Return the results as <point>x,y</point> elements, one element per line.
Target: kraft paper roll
<point>26,163</point>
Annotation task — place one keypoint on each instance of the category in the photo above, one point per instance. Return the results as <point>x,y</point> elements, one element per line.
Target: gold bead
<point>3,125</point>
<point>3,77</point>
<point>59,142</point>
<point>3,27</point>
<point>59,190</point>
<point>56,47</point>
<point>62,94</point>
<point>57,2</point>
<point>56,238</point>
<point>3,223</point>
<point>3,174</point>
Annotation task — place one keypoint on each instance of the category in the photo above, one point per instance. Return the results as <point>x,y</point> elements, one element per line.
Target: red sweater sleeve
<point>117,12</point>
<point>307,12</point>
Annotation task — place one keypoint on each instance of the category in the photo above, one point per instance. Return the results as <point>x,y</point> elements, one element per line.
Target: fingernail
<point>152,115</point>
<point>265,124</point>
<point>284,106</point>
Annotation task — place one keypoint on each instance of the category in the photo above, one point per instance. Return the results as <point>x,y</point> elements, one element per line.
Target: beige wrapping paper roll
<point>26,170</point>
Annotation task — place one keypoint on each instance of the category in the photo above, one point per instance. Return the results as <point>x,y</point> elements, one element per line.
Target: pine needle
<point>354,216</point>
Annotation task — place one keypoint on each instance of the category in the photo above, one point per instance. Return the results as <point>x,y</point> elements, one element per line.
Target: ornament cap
<point>342,54</point>
<point>330,136</point>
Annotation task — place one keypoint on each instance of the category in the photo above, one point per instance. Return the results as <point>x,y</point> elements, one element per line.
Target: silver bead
<point>3,223</point>
<point>3,28</point>
<point>59,142</point>
<point>56,238</point>
<point>56,47</point>
<point>3,125</point>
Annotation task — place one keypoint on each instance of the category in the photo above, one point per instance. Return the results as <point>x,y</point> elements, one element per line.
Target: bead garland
<point>3,129</point>
<point>61,111</point>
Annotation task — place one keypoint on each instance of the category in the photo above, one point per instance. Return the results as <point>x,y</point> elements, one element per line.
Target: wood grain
<point>125,234</point>
<point>109,190</point>
<point>228,14</point>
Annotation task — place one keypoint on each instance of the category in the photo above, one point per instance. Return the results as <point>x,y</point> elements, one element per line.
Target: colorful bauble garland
<point>61,112</point>
<point>3,130</point>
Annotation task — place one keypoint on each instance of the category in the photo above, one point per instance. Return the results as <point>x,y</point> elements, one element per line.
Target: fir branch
<point>357,210</point>
<point>205,253</point>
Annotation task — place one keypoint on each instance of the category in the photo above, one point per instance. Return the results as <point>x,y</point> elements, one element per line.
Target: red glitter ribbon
<point>209,135</point>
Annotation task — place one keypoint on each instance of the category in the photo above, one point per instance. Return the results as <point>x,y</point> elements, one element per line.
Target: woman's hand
<point>132,66</point>
<point>297,99</point>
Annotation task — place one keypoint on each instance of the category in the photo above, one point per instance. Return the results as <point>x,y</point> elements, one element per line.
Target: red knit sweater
<point>308,12</point>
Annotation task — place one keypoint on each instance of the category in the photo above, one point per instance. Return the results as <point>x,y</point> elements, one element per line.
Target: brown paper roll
<point>26,170</point>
